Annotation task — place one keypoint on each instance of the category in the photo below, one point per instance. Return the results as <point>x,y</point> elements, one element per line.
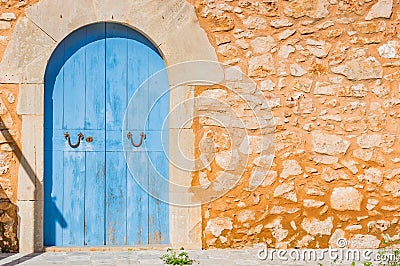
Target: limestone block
<point>263,44</point>
<point>181,107</point>
<point>30,172</point>
<point>360,68</point>
<point>390,50</point>
<point>314,226</point>
<point>255,22</point>
<point>286,190</point>
<point>60,18</point>
<point>382,9</point>
<point>30,99</point>
<point>30,227</point>
<point>313,9</point>
<point>225,181</point>
<point>26,54</point>
<point>364,241</point>
<point>8,16</point>
<point>310,203</point>
<point>246,215</point>
<point>194,72</point>
<point>329,144</point>
<point>181,148</point>
<point>290,168</point>
<point>280,23</point>
<point>186,228</point>
<point>261,66</point>
<point>217,225</point>
<point>346,199</point>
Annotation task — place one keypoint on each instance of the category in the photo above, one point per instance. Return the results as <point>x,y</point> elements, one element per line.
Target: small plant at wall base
<point>5,249</point>
<point>172,258</point>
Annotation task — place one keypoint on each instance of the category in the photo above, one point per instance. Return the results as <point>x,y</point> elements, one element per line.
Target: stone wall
<point>10,127</point>
<point>329,71</point>
<point>10,134</point>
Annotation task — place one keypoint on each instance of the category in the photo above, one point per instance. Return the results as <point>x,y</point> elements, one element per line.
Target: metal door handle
<point>68,137</point>
<point>142,137</point>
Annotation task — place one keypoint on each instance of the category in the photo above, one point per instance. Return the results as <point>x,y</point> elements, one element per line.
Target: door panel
<point>95,199</point>
<point>95,194</point>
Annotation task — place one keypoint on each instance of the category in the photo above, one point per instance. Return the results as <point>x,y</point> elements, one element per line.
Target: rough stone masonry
<point>329,71</point>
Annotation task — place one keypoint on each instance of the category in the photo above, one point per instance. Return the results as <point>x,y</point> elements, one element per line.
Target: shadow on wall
<point>8,224</point>
<point>8,210</point>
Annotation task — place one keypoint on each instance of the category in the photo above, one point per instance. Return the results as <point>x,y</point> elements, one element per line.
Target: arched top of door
<point>89,34</point>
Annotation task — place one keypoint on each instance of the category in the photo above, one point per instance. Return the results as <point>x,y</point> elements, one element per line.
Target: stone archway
<point>173,28</point>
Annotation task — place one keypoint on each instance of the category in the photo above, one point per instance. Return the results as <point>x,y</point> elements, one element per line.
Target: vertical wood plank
<point>158,93</point>
<point>137,199</point>
<point>115,198</point>
<point>54,90</point>
<point>95,198</point>
<point>116,77</point>
<point>138,73</point>
<point>159,189</point>
<point>116,102</point>
<point>54,221</point>
<point>95,125</point>
<point>74,189</point>
<point>74,81</point>
<point>95,76</point>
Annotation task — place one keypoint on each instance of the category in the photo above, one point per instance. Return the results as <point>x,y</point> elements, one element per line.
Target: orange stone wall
<point>329,71</point>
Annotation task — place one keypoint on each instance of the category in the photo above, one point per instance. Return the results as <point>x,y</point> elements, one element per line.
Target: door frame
<point>175,30</point>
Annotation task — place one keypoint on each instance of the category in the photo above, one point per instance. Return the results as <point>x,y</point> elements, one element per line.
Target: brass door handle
<point>142,137</point>
<point>68,137</point>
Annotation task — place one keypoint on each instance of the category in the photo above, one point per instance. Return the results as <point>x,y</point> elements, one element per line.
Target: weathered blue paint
<point>91,197</point>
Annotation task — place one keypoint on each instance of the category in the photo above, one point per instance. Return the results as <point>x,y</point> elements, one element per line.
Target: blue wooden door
<point>91,195</point>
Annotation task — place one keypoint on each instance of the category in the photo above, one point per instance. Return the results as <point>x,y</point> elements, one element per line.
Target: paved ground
<point>152,257</point>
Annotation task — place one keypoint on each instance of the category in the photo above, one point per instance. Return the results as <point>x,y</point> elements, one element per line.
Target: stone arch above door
<point>172,26</point>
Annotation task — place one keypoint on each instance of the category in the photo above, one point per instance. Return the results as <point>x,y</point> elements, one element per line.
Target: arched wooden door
<point>90,196</point>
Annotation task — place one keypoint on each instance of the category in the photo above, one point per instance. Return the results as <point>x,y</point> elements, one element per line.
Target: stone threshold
<point>105,248</point>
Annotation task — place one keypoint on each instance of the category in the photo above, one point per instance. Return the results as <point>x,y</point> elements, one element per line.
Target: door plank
<point>95,128</point>
<point>74,206</point>
<point>74,81</point>
<point>158,94</point>
<point>138,73</point>
<point>116,102</point>
<point>95,198</point>
<point>159,189</point>
<point>115,198</point>
<point>116,76</point>
<point>95,77</point>
<point>54,221</point>
<point>54,90</point>
<point>137,199</point>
